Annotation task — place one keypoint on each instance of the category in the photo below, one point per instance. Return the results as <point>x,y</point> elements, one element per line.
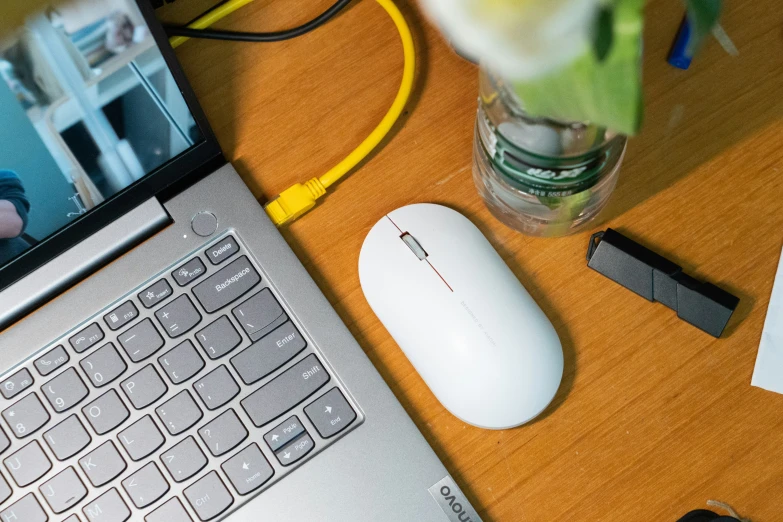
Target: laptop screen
<point>88,107</point>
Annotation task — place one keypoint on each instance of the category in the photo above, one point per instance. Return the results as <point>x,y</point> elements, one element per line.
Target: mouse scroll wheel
<point>414,246</point>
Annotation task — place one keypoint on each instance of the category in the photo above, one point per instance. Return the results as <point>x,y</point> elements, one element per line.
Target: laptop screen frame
<point>162,183</point>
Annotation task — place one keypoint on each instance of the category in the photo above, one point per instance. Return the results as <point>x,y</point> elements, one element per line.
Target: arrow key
<point>295,450</point>
<point>248,470</point>
<point>146,485</point>
<point>331,413</point>
<point>284,433</point>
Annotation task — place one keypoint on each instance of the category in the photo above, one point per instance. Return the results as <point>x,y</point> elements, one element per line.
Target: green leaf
<point>605,92</point>
<point>703,15</point>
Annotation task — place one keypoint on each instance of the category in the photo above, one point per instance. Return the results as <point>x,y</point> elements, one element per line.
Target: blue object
<point>679,56</point>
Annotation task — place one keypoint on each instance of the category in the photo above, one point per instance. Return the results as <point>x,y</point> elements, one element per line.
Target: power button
<point>204,224</point>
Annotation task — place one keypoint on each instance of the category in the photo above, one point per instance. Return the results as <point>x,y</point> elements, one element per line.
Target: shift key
<point>287,390</point>
<point>226,286</point>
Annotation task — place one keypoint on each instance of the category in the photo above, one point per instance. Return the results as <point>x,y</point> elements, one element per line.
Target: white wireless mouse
<point>463,319</point>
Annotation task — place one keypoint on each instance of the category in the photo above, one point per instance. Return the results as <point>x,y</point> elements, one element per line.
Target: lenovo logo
<point>453,502</point>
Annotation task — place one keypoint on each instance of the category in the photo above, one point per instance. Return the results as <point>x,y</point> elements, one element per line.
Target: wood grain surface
<point>654,417</point>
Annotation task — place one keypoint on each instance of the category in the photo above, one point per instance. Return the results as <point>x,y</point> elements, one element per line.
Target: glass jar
<point>536,175</point>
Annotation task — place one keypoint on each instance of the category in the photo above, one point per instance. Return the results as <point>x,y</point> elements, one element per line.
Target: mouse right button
<point>331,413</point>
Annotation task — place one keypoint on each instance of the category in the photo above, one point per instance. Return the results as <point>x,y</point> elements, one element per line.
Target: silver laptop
<point>165,356</point>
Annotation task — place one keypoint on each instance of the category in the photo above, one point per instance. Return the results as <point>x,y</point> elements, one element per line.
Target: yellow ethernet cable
<point>210,18</point>
<point>300,198</point>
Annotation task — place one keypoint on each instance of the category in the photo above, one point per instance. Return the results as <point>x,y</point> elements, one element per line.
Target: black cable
<point>276,36</point>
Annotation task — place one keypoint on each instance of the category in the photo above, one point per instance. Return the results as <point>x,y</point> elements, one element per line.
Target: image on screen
<point>88,106</point>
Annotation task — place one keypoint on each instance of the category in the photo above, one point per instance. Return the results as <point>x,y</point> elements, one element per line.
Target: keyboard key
<point>284,433</point>
<point>286,391</point>
<point>63,491</point>
<point>171,511</point>
<point>26,416</point>
<point>217,388</point>
<point>52,361</point>
<point>178,317</point>
<point>182,362</point>
<point>103,365</point>
<point>106,412</point>
<point>296,450</point>
<point>145,486</point>
<point>27,509</point>
<point>227,285</point>
<point>109,507</point>
<point>87,338</point>
<point>184,460</point>
<point>144,387</point>
<point>28,464</point>
<point>330,414</point>
<point>219,338</point>
<point>179,413</point>
<point>141,341</point>
<point>270,353</point>
<point>209,497</point>
<point>72,518</point>
<point>102,464</point>
<point>16,384</point>
<point>260,314</point>
<point>223,434</point>
<point>155,293</point>
<point>67,438</point>
<point>65,391</point>
<point>248,470</point>
<point>4,441</point>
<point>5,490</point>
<point>141,439</point>
<point>189,272</point>
<point>121,315</point>
<point>222,250</point>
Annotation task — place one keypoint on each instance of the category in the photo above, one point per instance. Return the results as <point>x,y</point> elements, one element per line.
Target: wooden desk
<point>653,417</point>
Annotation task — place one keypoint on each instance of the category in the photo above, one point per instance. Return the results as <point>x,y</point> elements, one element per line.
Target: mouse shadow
<point>746,300</point>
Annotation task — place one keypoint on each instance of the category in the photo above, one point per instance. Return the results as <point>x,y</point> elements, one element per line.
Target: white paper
<point>769,362</point>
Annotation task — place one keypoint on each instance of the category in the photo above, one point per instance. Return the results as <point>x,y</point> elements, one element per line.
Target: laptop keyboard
<point>178,403</point>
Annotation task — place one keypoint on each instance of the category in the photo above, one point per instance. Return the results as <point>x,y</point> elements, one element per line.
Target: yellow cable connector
<point>299,199</point>
<point>295,201</point>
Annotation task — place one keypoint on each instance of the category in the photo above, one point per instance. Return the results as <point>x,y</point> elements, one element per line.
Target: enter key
<point>331,413</point>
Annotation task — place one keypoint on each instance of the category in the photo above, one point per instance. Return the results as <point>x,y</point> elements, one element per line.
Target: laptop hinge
<point>81,260</point>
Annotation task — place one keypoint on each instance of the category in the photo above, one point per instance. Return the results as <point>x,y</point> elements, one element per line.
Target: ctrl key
<point>209,497</point>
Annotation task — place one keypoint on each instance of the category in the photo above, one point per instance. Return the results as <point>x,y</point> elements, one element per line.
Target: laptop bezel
<point>165,182</point>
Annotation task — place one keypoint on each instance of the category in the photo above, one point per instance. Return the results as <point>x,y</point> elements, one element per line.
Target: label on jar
<point>553,180</point>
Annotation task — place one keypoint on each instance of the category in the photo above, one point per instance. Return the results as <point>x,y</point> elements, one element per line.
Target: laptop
<point>165,357</point>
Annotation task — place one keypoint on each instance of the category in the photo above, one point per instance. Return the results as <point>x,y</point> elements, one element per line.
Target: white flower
<point>518,39</point>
